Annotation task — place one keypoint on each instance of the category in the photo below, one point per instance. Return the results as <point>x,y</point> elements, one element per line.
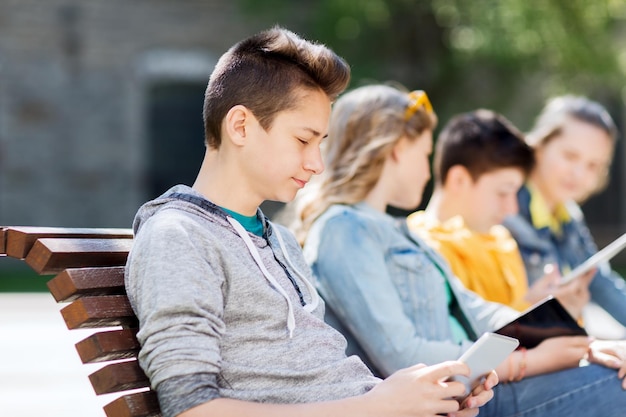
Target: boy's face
<point>285,157</point>
<point>492,197</point>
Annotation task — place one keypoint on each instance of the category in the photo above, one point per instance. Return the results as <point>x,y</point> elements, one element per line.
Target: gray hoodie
<point>213,324</point>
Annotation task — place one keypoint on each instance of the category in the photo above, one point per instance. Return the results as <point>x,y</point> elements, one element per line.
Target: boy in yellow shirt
<point>480,162</point>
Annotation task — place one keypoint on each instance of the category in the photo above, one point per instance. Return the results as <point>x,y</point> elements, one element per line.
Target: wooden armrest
<point>108,345</point>
<point>52,255</point>
<point>139,404</point>
<point>89,263</point>
<point>18,240</point>
<point>3,241</point>
<point>121,376</point>
<point>105,311</point>
<point>74,283</point>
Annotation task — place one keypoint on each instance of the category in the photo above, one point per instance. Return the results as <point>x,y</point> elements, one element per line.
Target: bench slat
<point>74,283</point>
<point>53,255</point>
<point>139,404</point>
<point>104,311</point>
<point>109,345</point>
<point>120,376</point>
<point>20,239</point>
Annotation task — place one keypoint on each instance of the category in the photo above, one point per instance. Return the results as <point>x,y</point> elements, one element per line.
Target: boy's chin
<point>284,198</point>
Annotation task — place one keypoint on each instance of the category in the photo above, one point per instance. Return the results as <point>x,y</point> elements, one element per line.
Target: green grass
<point>15,276</point>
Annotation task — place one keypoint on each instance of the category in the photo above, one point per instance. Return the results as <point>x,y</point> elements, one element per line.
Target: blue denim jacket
<point>540,247</point>
<point>385,286</point>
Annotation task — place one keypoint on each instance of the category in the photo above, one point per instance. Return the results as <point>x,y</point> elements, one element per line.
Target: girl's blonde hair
<point>558,111</point>
<point>365,124</point>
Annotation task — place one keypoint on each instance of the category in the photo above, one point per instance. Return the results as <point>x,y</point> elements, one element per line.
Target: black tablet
<point>548,318</point>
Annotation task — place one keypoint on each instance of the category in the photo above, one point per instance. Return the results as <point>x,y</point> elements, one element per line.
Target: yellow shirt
<point>541,215</point>
<point>488,264</point>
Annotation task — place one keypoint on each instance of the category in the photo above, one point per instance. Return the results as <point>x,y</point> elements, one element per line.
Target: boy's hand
<point>573,296</point>
<point>425,391</point>
<point>544,286</point>
<point>482,393</point>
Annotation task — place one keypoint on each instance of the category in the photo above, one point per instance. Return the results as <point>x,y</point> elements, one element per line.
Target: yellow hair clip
<point>417,99</point>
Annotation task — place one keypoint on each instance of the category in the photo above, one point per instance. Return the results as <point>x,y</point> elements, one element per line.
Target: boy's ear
<point>458,178</point>
<point>235,123</point>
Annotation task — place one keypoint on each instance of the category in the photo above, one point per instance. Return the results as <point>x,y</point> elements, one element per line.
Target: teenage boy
<point>481,160</point>
<point>230,324</point>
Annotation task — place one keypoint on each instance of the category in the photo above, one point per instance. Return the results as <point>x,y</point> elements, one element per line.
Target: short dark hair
<point>266,73</point>
<point>481,141</point>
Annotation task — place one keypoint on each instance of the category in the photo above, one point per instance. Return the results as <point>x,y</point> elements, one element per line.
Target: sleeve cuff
<point>181,393</point>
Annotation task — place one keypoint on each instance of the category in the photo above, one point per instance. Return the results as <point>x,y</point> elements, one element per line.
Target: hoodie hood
<point>182,197</point>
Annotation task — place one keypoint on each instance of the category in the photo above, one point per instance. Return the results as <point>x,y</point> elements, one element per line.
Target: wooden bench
<point>88,269</point>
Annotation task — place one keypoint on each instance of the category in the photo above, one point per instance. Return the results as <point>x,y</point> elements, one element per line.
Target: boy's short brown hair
<point>264,73</point>
<point>481,141</point>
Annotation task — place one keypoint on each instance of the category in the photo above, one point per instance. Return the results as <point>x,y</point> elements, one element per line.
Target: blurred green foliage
<point>507,55</point>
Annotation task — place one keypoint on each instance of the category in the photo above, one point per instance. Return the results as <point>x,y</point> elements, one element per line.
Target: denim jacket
<point>541,246</point>
<point>387,288</point>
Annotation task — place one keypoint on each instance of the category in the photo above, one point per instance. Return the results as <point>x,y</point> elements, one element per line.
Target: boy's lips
<point>301,183</point>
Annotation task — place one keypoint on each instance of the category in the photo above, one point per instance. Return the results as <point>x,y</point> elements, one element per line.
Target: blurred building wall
<point>75,83</point>
<point>100,103</point>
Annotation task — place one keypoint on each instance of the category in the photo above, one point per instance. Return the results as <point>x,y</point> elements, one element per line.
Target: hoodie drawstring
<point>291,321</point>
<point>315,298</point>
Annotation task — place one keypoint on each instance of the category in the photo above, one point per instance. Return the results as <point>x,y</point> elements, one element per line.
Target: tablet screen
<point>545,319</point>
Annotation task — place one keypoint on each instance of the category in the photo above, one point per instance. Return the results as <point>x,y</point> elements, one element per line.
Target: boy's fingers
<point>417,367</point>
<point>491,380</point>
<point>478,399</point>
<point>444,370</point>
<point>453,389</point>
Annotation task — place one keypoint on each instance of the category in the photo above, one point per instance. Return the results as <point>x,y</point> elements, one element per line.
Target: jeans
<point>587,391</point>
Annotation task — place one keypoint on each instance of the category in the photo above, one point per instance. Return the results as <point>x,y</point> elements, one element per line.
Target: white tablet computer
<point>594,260</point>
<point>483,356</point>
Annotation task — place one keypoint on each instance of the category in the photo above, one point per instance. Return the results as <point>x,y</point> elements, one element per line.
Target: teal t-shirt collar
<point>252,224</point>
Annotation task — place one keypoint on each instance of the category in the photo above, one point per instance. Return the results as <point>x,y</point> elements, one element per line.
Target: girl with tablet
<point>574,140</point>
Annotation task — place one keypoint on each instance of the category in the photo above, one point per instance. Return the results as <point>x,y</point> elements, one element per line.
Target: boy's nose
<point>313,161</point>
